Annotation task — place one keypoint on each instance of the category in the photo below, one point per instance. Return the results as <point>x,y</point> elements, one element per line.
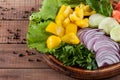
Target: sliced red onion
<point>92,35</point>
<point>104,41</point>
<point>103,62</point>
<point>106,50</point>
<point>103,54</point>
<point>89,44</point>
<point>111,57</point>
<point>82,31</point>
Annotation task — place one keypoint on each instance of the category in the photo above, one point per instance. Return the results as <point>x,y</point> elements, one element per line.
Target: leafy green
<point>75,55</point>
<point>101,6</point>
<point>49,9</point>
<point>36,36</point>
<point>47,12</point>
<point>72,3</point>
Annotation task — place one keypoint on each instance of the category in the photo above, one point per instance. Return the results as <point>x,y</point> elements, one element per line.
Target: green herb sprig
<point>75,55</point>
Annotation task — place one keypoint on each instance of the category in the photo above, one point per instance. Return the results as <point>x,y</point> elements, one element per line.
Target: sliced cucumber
<point>95,19</point>
<point>108,24</point>
<point>115,34</point>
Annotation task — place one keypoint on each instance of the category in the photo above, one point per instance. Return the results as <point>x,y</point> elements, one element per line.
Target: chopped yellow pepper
<point>55,29</point>
<point>70,38</point>
<point>71,28</point>
<point>53,41</point>
<point>79,12</point>
<point>67,11</point>
<point>62,9</point>
<point>87,8</point>
<point>65,26</point>
<point>59,18</point>
<point>82,5</point>
<point>66,22</point>
<point>89,13</point>
<point>83,23</point>
<point>73,17</point>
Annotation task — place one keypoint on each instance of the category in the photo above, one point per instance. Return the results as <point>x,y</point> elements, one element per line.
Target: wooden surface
<point>17,61</point>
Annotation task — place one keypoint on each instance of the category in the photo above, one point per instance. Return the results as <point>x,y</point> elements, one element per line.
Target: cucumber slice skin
<point>108,24</point>
<point>95,19</point>
<point>115,34</point>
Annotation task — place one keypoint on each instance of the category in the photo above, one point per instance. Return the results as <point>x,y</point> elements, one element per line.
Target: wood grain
<point>13,31</point>
<point>36,74</point>
<point>19,56</point>
<point>31,74</point>
<point>18,9</point>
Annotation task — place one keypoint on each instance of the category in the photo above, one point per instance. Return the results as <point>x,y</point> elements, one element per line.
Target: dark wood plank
<point>31,74</point>
<point>36,74</point>
<point>19,56</point>
<point>18,9</point>
<point>13,31</point>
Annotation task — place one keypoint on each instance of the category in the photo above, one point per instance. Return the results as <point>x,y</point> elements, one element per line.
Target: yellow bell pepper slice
<point>53,41</point>
<point>82,5</point>
<point>55,29</point>
<point>71,28</point>
<point>59,18</point>
<point>87,8</point>
<point>83,23</point>
<point>66,22</point>
<point>73,17</point>
<point>70,38</point>
<point>67,11</point>
<point>62,9</point>
<point>79,12</point>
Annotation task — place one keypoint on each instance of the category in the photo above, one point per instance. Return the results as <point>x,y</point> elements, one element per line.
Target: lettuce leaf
<point>103,7</point>
<point>37,36</point>
<point>47,12</point>
<point>49,9</point>
<point>72,3</point>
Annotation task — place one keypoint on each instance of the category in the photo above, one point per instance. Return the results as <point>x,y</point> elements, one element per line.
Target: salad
<point>79,33</point>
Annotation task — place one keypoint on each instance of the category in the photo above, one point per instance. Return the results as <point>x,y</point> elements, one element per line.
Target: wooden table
<point>17,61</point>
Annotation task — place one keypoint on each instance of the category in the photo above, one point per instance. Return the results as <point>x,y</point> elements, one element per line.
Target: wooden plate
<point>105,72</point>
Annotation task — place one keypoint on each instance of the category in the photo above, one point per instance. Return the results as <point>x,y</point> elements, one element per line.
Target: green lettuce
<point>37,36</point>
<point>72,3</point>
<point>47,12</point>
<point>103,7</point>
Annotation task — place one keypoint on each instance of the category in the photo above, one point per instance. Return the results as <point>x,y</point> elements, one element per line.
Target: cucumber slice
<point>95,19</point>
<point>115,34</point>
<point>108,24</point>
